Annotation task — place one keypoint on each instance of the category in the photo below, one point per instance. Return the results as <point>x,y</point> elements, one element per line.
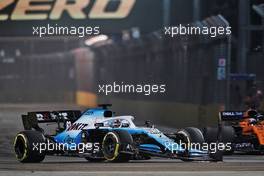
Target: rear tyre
<point>25,146</point>
<point>227,137</point>
<point>114,143</point>
<point>210,134</point>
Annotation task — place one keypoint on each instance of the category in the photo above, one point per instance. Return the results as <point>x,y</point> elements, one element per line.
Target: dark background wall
<point>54,69</point>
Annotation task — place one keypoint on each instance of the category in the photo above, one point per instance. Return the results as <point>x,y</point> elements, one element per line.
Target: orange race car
<point>244,130</point>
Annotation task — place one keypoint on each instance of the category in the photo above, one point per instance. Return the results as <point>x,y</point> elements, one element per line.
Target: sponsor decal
<point>50,116</point>
<point>232,113</point>
<point>77,126</point>
<point>54,9</point>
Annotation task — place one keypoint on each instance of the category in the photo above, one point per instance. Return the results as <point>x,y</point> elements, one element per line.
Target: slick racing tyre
<point>210,134</point>
<point>25,146</point>
<point>191,135</point>
<point>227,136</point>
<point>114,144</point>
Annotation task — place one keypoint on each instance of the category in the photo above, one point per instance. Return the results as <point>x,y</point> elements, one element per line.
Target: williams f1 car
<point>243,129</point>
<point>98,134</point>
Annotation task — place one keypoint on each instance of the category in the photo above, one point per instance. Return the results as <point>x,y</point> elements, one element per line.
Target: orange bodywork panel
<point>259,131</point>
<point>250,129</point>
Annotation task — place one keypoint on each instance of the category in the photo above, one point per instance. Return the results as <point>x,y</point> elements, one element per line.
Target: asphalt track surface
<point>11,123</point>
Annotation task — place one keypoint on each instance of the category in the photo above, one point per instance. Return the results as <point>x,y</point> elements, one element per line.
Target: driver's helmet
<point>251,113</point>
<point>117,123</point>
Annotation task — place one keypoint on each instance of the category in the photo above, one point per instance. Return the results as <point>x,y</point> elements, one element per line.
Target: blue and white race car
<point>99,135</point>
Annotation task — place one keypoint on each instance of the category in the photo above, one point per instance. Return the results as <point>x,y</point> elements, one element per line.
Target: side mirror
<point>148,124</point>
<point>108,113</point>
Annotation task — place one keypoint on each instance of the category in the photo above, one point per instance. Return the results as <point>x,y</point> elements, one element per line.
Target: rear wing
<point>32,119</point>
<point>235,116</point>
<point>231,115</point>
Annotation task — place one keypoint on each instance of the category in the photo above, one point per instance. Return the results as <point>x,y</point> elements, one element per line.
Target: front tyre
<point>114,146</point>
<point>25,146</point>
<point>189,136</point>
<point>192,135</point>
